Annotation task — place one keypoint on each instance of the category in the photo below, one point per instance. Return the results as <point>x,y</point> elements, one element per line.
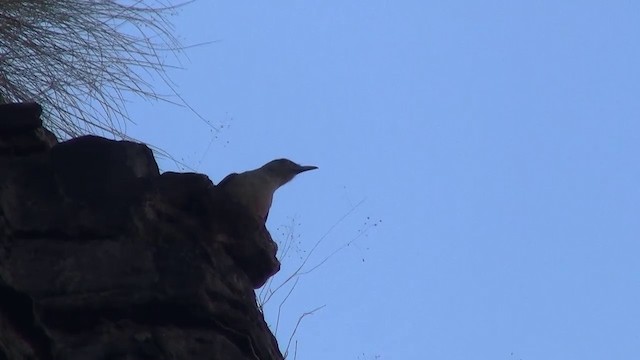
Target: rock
<point>103,257</point>
<point>21,131</point>
<point>20,117</point>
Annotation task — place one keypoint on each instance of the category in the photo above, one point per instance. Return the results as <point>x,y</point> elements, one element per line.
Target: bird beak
<point>306,168</point>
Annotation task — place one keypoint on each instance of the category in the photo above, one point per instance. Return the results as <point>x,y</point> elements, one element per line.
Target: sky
<point>479,159</point>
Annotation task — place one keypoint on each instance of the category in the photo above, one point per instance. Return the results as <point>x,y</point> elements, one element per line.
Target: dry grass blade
<point>81,59</point>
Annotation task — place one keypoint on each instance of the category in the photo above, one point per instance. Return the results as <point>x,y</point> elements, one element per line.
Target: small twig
<point>275,333</point>
<point>295,329</point>
<point>297,272</point>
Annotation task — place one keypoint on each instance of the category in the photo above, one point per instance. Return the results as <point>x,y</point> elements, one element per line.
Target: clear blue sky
<point>498,142</point>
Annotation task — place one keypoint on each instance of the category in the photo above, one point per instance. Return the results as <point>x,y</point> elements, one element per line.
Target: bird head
<point>284,170</point>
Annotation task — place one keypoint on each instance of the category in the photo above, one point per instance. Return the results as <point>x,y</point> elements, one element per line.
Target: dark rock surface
<point>22,131</point>
<point>103,257</point>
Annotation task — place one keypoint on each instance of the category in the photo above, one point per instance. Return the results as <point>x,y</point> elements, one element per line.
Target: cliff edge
<point>103,257</point>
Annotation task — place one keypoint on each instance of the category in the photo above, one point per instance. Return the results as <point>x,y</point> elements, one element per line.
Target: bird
<point>254,189</point>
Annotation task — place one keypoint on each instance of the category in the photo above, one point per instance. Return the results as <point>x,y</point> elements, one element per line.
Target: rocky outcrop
<point>103,257</point>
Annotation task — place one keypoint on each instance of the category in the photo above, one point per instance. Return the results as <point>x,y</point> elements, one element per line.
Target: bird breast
<point>252,190</point>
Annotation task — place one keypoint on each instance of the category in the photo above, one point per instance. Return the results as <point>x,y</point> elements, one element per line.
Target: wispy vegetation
<point>82,59</point>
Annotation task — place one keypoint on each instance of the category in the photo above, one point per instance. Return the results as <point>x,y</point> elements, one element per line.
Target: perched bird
<point>254,189</point>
